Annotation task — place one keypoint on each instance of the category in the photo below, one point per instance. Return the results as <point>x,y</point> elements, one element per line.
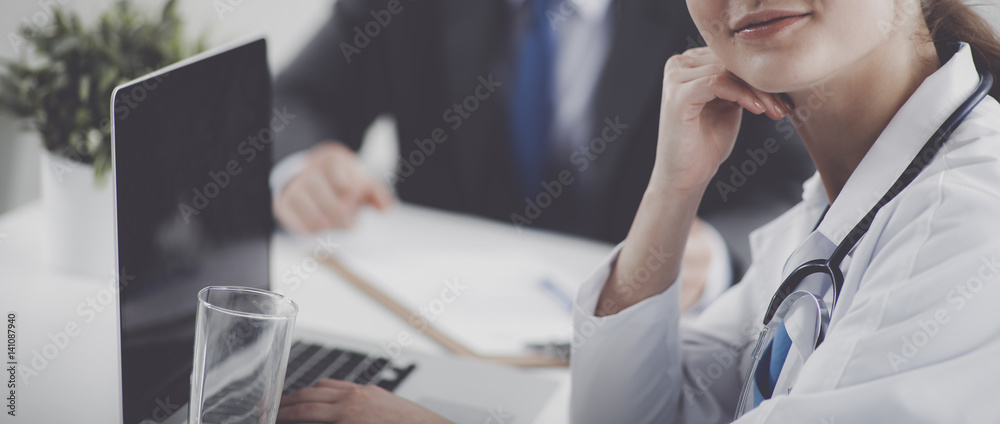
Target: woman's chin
<point>777,82</point>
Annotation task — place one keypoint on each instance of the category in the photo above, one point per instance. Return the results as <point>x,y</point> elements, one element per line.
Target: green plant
<point>63,82</point>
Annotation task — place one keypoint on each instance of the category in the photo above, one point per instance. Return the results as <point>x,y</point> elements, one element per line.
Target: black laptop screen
<point>192,157</point>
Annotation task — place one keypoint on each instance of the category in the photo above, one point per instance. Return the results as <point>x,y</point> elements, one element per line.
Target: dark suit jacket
<point>434,54</point>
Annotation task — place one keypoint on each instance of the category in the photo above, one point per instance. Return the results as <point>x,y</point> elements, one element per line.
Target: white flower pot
<point>79,218</point>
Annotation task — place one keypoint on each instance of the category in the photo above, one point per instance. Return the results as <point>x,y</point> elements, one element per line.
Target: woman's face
<point>780,46</point>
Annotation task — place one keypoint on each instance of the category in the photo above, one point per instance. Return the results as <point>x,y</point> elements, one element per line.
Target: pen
<point>551,350</point>
<point>564,300</point>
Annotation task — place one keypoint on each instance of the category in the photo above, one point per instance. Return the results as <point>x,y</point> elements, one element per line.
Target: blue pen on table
<point>553,350</point>
<point>557,294</point>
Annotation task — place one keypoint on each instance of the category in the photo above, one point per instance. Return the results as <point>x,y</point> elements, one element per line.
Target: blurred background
<point>287,25</point>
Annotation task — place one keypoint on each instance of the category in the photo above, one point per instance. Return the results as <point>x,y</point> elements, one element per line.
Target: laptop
<point>191,160</point>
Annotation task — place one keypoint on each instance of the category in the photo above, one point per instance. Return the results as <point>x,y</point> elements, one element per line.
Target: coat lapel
<point>474,32</point>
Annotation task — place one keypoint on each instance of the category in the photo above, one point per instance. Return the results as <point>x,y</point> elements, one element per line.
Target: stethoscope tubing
<point>831,265</point>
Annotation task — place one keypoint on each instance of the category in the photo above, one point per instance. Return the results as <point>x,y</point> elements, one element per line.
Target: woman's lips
<point>769,27</point>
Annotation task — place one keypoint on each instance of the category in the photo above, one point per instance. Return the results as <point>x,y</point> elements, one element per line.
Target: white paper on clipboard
<point>486,285</point>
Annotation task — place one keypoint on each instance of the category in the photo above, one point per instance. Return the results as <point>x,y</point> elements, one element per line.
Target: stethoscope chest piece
<point>796,320</point>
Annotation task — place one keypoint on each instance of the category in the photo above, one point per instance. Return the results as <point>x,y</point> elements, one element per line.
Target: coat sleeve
<point>915,338</point>
<point>337,85</point>
<point>640,366</point>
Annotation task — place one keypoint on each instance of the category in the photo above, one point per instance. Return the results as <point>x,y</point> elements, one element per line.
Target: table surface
<point>67,341</point>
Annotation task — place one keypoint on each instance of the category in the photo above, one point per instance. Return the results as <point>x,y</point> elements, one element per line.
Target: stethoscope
<point>788,298</point>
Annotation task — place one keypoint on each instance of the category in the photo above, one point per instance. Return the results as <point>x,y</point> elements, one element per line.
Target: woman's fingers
<point>314,394</point>
<point>336,384</point>
<point>685,74</point>
<point>703,90</point>
<point>310,412</point>
<point>692,84</point>
<point>776,107</point>
<point>700,63</point>
<point>687,61</point>
<point>317,403</point>
<point>700,52</point>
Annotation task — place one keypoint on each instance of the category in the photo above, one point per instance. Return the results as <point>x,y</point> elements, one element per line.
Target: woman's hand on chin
<point>700,115</point>
<point>335,401</point>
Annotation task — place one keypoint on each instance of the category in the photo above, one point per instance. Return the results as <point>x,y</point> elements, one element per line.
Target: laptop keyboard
<point>307,364</point>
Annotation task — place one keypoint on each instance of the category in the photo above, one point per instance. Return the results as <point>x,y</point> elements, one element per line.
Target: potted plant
<point>62,84</point>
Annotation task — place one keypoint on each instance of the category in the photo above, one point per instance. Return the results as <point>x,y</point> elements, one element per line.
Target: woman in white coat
<point>915,332</point>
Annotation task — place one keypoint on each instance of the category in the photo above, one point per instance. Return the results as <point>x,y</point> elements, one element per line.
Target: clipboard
<point>425,327</point>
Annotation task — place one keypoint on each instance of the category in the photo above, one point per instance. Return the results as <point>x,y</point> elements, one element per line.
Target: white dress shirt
<point>915,336</point>
<point>583,30</point>
<point>583,38</point>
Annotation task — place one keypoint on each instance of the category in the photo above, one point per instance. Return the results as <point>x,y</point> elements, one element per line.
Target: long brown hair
<point>953,20</point>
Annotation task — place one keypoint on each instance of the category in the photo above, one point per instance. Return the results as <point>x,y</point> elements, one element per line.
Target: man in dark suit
<point>542,113</point>
<point>459,77</point>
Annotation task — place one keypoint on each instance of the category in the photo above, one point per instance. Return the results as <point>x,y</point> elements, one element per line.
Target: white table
<point>77,374</point>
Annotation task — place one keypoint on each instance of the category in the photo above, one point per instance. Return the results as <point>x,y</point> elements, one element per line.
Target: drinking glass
<point>241,346</point>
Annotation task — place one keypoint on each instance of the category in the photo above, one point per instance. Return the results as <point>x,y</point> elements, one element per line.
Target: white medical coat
<point>915,337</point>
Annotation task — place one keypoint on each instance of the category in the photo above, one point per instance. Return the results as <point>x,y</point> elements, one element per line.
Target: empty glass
<point>241,346</point>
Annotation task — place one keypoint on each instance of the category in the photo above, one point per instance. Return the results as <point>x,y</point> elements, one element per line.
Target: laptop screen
<point>191,159</point>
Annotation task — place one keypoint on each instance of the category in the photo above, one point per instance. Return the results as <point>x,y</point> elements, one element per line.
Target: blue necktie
<point>769,368</point>
<point>531,106</point>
